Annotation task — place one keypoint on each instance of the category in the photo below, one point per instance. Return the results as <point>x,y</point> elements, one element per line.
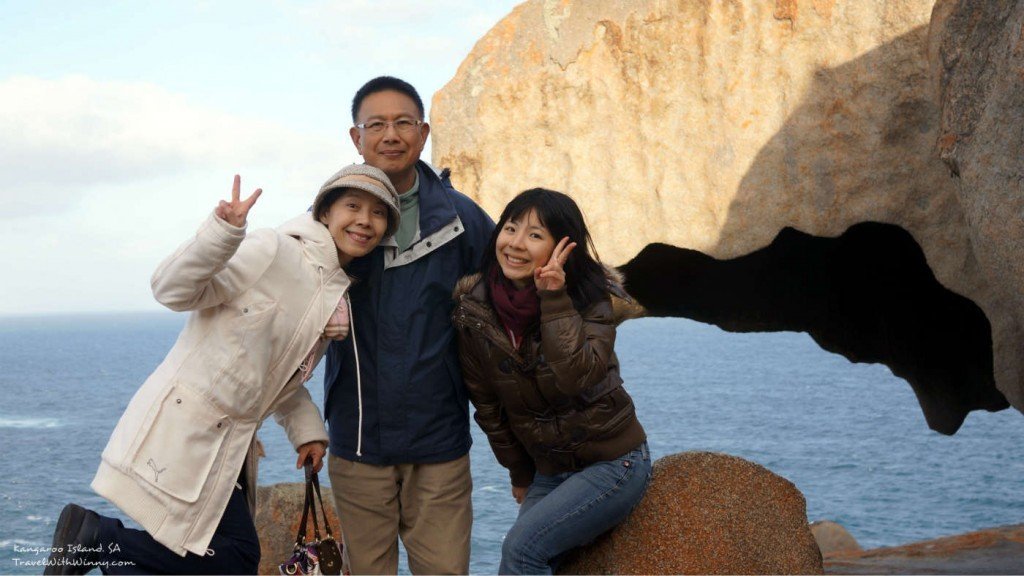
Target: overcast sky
<point>122,123</point>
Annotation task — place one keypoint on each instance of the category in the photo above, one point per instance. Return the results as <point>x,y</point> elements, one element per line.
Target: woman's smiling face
<point>523,245</point>
<point>357,221</point>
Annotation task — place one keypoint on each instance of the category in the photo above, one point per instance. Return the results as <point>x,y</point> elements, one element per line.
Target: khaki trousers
<point>429,505</point>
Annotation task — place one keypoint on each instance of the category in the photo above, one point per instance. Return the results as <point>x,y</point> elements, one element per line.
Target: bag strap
<point>323,511</point>
<point>300,537</point>
<point>311,481</point>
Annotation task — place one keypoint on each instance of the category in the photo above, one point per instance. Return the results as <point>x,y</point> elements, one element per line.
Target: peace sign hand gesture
<point>551,276</point>
<point>234,212</point>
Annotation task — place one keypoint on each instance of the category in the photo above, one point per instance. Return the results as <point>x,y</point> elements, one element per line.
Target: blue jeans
<point>565,511</point>
<point>235,548</point>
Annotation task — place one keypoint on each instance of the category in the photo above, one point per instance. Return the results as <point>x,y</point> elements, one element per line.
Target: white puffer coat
<point>259,306</point>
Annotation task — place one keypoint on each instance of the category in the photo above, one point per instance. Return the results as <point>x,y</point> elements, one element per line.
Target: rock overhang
<point>727,131</point>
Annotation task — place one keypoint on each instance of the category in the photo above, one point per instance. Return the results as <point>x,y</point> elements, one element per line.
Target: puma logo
<point>156,472</point>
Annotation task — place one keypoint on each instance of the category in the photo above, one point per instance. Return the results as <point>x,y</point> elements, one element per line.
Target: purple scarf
<point>517,309</point>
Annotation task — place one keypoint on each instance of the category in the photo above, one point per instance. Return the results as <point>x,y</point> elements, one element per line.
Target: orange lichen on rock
<point>707,513</point>
<point>824,8</point>
<point>785,10</point>
<point>992,551</point>
<point>947,142</point>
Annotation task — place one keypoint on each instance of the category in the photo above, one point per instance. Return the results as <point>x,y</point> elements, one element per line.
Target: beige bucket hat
<point>361,177</point>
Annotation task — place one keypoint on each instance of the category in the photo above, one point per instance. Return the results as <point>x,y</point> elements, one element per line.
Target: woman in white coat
<point>182,459</point>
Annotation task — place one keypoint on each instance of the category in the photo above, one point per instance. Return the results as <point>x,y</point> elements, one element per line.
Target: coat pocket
<point>242,351</point>
<point>182,445</point>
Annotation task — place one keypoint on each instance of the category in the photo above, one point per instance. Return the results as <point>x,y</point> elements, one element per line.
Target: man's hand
<point>315,450</point>
<point>234,212</point>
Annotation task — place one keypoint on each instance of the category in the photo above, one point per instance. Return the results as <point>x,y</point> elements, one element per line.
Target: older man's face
<point>395,148</point>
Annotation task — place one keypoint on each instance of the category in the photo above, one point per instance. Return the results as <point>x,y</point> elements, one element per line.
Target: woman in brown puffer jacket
<point>536,342</point>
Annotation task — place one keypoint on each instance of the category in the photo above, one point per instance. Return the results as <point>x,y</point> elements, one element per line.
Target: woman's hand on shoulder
<point>551,276</point>
<point>236,211</point>
<point>315,450</point>
<point>519,493</point>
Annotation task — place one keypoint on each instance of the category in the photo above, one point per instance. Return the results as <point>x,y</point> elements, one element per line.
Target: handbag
<point>316,556</point>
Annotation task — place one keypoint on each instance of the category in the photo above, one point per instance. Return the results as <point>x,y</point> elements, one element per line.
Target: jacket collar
<point>317,243</point>
<point>471,286</point>
<point>436,208</point>
<point>474,309</point>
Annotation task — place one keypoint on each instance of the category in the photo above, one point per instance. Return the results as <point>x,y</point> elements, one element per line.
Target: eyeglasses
<point>402,126</point>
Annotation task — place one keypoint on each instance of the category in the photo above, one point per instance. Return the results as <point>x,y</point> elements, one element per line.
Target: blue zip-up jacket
<point>414,406</point>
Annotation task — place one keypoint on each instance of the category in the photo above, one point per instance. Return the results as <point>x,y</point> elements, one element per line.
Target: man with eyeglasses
<point>394,399</point>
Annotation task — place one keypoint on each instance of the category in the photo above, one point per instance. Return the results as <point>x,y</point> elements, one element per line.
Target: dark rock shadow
<point>869,293</point>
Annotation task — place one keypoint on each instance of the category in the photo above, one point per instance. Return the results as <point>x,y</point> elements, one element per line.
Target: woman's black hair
<point>321,208</point>
<point>585,278</point>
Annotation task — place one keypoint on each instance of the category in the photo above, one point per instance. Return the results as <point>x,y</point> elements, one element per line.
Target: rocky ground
<point>740,518</point>
<point>708,513</point>
<point>992,551</point>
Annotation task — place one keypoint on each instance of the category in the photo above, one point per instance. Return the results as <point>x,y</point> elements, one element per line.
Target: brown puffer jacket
<point>556,404</point>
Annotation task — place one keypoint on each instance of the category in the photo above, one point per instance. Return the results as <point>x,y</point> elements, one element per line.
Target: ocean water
<point>850,436</point>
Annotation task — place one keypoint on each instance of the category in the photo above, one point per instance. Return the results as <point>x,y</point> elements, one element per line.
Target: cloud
<point>63,137</point>
<point>383,35</point>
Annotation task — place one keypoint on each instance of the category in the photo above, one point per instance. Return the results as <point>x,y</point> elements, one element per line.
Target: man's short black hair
<point>381,84</point>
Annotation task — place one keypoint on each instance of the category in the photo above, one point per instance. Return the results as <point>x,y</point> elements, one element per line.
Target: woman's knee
<point>518,545</point>
<point>512,545</point>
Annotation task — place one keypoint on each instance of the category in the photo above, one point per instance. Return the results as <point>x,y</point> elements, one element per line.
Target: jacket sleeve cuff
<point>555,304</point>
<point>225,229</point>
<point>306,433</point>
<point>521,477</point>
<point>221,234</point>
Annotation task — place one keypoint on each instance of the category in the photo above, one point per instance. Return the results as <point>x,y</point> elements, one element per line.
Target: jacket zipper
<point>320,296</point>
<point>475,321</point>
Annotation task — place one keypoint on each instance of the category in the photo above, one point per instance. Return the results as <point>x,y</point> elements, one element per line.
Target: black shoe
<point>76,546</point>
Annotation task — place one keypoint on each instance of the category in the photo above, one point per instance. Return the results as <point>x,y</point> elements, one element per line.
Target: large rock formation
<point>773,166</point>
<point>977,56</point>
<point>708,513</point>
